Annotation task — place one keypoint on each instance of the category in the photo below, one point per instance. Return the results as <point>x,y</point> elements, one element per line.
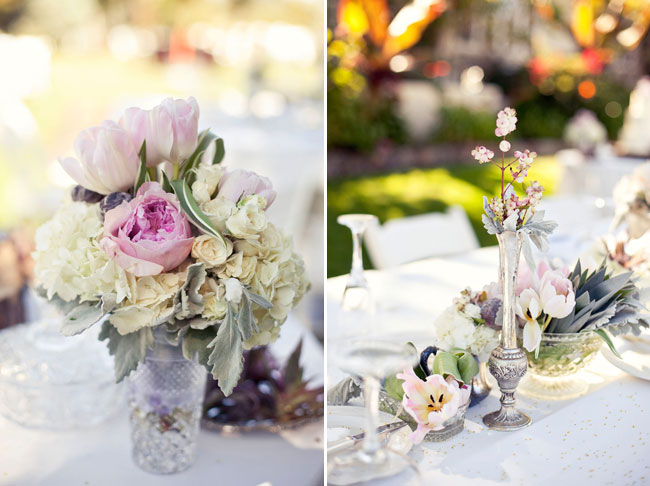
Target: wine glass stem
<point>371,392</point>
<point>357,278</point>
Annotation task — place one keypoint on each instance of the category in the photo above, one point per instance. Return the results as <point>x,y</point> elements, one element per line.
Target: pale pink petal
<point>418,434</point>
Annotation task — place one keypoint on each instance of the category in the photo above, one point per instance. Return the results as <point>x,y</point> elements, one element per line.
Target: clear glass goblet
<point>373,359</point>
<point>357,303</point>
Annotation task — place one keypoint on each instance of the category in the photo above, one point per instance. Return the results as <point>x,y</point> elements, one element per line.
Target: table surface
<point>100,456</point>
<point>601,438</point>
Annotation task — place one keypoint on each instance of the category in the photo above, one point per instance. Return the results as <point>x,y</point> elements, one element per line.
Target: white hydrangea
<point>272,269</point>
<point>68,260</point>
<point>150,303</point>
<point>453,329</point>
<point>456,329</point>
<point>485,339</point>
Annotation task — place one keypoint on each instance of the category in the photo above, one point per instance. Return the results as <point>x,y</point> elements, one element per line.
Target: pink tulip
<point>149,234</point>
<point>557,295</point>
<point>237,184</point>
<point>170,129</point>
<point>107,159</point>
<point>430,402</point>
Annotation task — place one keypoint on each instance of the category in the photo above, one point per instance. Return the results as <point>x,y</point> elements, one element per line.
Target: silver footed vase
<point>508,362</point>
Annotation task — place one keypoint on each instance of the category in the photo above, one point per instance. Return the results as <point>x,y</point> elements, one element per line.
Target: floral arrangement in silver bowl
<point>433,396</point>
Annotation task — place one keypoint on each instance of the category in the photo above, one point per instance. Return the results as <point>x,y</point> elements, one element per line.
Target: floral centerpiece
<point>632,202</point>
<point>175,256</point>
<point>585,132</point>
<point>564,317</point>
<point>433,396</point>
<point>624,254</point>
<point>589,307</point>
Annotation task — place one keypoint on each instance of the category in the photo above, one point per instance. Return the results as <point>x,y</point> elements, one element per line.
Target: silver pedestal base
<point>505,421</point>
<point>508,366</point>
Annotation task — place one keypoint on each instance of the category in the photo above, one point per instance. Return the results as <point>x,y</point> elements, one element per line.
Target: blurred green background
<point>413,86</point>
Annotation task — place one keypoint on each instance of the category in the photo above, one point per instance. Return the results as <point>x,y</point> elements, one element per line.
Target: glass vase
<point>552,374</point>
<point>165,401</point>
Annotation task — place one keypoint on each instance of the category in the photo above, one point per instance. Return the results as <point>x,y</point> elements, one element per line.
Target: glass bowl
<point>51,381</point>
<point>552,374</point>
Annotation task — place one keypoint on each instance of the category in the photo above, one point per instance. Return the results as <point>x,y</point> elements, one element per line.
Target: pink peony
<point>107,160</point>
<point>237,184</point>
<point>149,234</point>
<point>170,129</point>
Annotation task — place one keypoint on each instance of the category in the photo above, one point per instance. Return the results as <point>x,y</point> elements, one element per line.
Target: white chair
<point>412,238</point>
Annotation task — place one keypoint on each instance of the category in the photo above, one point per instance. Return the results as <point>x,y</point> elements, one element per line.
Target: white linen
<point>101,456</point>
<point>600,438</point>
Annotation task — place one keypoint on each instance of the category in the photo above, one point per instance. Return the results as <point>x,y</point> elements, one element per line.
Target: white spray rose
<point>218,210</point>
<point>211,251</point>
<point>207,180</point>
<point>250,219</point>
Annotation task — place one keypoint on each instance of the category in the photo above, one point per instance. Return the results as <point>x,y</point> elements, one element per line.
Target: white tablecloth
<point>601,438</point>
<point>100,456</point>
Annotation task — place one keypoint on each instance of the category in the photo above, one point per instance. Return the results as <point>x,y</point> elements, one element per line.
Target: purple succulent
<point>490,313</point>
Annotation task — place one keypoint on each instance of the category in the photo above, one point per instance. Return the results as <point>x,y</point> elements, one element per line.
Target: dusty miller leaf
<point>226,358</point>
<point>128,350</point>
<point>187,301</point>
<point>257,299</point>
<point>245,319</point>
<point>195,344</point>
<point>81,318</point>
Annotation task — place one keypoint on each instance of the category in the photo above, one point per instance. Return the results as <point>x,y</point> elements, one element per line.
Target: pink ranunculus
<point>170,129</point>
<point>430,402</point>
<point>107,159</point>
<point>149,234</point>
<point>237,184</point>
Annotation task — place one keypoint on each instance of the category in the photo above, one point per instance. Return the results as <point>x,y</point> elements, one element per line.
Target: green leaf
<point>195,344</point>
<point>446,364</point>
<point>226,357</point>
<point>220,151</point>
<point>245,319</point>
<point>292,369</point>
<point>206,137</point>
<point>142,172</point>
<point>605,337</point>
<point>468,367</point>
<point>128,350</point>
<point>166,185</point>
<point>191,209</point>
<point>393,386</point>
<point>81,318</point>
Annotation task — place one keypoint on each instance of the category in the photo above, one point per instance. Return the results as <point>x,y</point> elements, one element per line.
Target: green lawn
<point>415,192</point>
